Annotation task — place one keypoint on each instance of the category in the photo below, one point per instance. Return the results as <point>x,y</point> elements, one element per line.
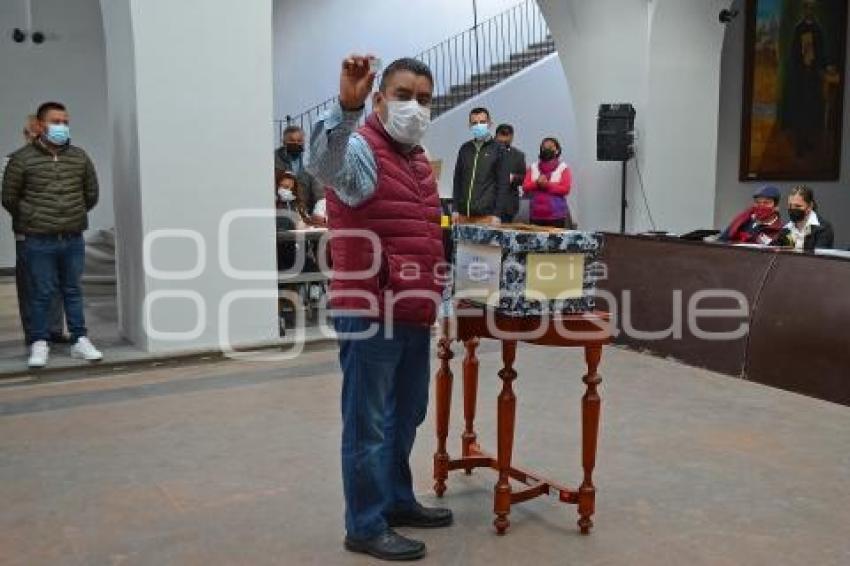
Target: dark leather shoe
<point>421,517</point>
<point>389,545</point>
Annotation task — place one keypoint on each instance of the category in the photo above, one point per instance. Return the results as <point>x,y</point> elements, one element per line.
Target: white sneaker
<point>85,350</point>
<point>38,354</point>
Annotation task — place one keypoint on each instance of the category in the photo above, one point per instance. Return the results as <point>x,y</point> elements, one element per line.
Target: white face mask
<point>407,121</point>
<point>285,194</point>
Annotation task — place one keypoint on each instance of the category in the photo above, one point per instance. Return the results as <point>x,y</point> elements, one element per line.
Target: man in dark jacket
<point>48,187</point>
<point>516,166</point>
<point>482,176</point>
<point>290,157</point>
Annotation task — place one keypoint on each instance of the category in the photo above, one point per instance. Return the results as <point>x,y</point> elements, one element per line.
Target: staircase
<point>470,62</point>
<point>478,83</point>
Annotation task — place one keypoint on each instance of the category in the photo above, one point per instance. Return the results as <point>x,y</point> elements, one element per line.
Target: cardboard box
<point>525,270</point>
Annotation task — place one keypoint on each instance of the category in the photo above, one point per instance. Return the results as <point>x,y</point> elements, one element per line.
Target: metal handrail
<point>468,63</point>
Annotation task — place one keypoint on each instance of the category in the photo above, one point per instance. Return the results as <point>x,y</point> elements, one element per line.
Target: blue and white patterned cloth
<point>516,245</point>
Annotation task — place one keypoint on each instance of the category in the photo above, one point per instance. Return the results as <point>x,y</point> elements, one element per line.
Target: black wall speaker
<point>615,132</point>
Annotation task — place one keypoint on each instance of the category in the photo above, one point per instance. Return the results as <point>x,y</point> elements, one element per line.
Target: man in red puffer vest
<point>383,212</point>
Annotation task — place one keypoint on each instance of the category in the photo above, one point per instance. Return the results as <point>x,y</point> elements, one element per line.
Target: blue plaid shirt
<point>341,158</point>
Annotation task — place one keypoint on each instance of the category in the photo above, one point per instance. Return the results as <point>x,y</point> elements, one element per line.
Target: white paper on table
<point>478,269</point>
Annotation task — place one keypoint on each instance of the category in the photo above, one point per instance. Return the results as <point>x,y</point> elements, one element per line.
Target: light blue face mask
<point>58,134</point>
<point>479,131</point>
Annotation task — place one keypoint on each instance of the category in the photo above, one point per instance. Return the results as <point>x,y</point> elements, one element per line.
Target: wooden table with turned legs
<point>590,331</point>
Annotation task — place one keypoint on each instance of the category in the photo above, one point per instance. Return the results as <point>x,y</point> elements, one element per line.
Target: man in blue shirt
<point>382,183</point>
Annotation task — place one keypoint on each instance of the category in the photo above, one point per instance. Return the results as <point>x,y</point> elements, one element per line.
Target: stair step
<point>518,63</point>
<point>548,44</point>
<point>445,103</point>
<point>491,75</point>
<point>531,53</point>
<point>448,100</point>
<point>473,87</point>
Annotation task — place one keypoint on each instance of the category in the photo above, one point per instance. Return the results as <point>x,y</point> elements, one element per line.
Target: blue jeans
<point>384,400</point>
<point>56,315</point>
<point>55,265</point>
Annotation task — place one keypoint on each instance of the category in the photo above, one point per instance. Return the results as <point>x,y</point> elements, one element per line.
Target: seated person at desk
<point>806,230</point>
<point>759,224</point>
<point>291,215</point>
<point>288,198</point>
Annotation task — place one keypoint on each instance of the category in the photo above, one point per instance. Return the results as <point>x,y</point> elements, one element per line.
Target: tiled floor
<point>101,319</point>
<point>237,463</point>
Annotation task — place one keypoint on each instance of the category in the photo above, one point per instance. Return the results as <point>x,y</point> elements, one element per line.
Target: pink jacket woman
<point>548,181</point>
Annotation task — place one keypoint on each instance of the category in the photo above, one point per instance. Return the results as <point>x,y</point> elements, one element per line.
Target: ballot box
<point>524,270</point>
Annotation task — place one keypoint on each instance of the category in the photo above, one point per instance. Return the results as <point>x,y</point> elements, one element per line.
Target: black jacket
<point>821,237</point>
<point>483,191</point>
<point>313,190</point>
<point>516,167</point>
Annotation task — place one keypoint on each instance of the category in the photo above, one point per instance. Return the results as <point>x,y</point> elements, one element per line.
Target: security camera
<point>38,37</point>
<point>726,16</point>
<point>19,35</point>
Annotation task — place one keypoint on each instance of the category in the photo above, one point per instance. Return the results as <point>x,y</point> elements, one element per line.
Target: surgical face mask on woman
<point>407,121</point>
<point>285,194</point>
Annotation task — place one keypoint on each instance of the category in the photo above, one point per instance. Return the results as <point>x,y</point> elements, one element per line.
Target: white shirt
<point>797,235</point>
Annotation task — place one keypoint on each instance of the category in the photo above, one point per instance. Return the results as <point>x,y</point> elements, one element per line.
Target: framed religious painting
<point>793,90</point>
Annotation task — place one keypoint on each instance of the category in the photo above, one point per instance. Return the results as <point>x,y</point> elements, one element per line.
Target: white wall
<point>604,58</point>
<point>311,39</point>
<point>69,67</point>
<point>537,102</point>
<point>734,195</point>
<point>186,158</point>
<point>662,56</point>
<point>123,137</point>
<point>679,146</point>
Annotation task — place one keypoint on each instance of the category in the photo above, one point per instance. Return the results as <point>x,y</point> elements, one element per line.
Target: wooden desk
<point>662,275</point>
<point>590,331</point>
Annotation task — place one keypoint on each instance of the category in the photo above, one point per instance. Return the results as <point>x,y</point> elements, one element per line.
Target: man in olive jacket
<point>48,187</point>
